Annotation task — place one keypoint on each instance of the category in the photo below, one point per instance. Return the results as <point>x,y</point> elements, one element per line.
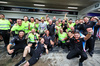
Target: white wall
<point>10,14</point>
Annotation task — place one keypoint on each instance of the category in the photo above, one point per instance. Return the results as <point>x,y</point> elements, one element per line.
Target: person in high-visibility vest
<point>31,24</point>
<point>62,36</point>
<point>26,24</point>
<point>5,29</point>
<point>36,24</point>
<point>0,32</point>
<point>17,27</point>
<point>70,24</point>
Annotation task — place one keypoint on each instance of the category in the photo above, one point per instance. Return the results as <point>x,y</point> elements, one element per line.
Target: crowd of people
<point>37,37</point>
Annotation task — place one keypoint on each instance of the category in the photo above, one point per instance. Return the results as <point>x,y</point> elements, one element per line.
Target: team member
<point>31,25</point>
<point>68,43</point>
<point>59,21</point>
<point>1,38</point>
<point>42,27</point>
<point>77,42</point>
<point>62,36</point>
<point>90,41</point>
<point>48,40</point>
<point>5,29</point>
<point>77,25</point>
<point>96,27</point>
<point>11,21</point>
<point>51,28</point>
<point>65,18</point>
<point>54,20</point>
<point>35,54</point>
<point>57,27</point>
<point>47,19</point>
<point>20,42</point>
<point>26,24</point>
<point>36,24</point>
<point>17,27</point>
<point>33,38</point>
<point>70,24</point>
<point>64,26</point>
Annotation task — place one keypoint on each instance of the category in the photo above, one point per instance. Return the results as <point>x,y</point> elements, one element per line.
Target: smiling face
<point>32,19</point>
<point>63,21</point>
<point>59,20</point>
<point>69,34</point>
<point>76,35</point>
<point>42,40</point>
<point>76,22</point>
<point>61,31</point>
<point>33,31</point>
<point>86,19</point>
<point>50,21</point>
<point>42,20</point>
<point>2,16</point>
<point>21,34</point>
<point>19,22</point>
<point>25,18</point>
<point>70,21</point>
<point>56,22</point>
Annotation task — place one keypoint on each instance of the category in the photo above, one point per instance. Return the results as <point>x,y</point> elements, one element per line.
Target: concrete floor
<point>55,58</point>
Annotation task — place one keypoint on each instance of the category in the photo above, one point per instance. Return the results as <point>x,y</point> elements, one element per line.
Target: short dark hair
<point>85,17</point>
<point>32,17</point>
<point>91,17</point>
<point>21,31</point>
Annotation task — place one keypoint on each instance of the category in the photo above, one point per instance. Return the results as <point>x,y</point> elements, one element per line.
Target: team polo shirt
<point>26,26</point>
<point>17,28</point>
<point>78,44</point>
<point>18,41</point>
<point>62,36</point>
<point>4,24</point>
<point>33,37</point>
<point>47,39</point>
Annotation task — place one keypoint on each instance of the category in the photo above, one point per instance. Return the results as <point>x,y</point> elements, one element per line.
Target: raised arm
<point>27,35</point>
<point>45,46</point>
<point>97,20</point>
<point>29,26</point>
<point>90,31</point>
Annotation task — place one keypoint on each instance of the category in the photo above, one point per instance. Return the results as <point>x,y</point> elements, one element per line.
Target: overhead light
<point>39,5</point>
<point>98,9</point>
<point>3,2</point>
<point>73,7</point>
